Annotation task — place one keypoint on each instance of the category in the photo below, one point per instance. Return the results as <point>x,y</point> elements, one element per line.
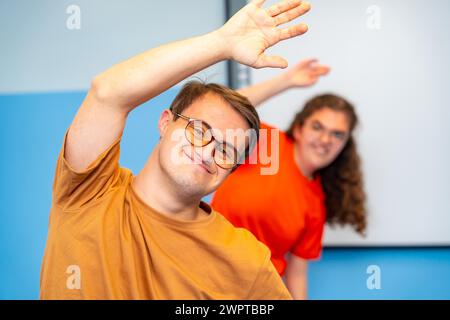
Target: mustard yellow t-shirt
<point>104,242</point>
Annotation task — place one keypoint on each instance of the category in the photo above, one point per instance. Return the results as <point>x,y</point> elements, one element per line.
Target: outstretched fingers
<point>271,62</point>
<point>306,63</point>
<point>288,10</point>
<point>320,70</point>
<point>294,31</point>
<point>258,3</point>
<point>282,6</point>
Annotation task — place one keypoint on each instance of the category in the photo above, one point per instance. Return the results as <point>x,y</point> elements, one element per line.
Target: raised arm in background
<point>306,73</point>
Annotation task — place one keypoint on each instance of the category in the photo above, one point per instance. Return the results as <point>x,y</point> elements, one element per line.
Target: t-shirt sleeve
<point>265,125</point>
<point>268,284</point>
<point>309,244</point>
<point>74,189</point>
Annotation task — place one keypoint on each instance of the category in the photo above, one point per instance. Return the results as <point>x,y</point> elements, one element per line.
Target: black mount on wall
<point>238,74</point>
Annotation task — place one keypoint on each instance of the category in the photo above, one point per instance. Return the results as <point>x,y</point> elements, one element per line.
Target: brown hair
<point>342,179</point>
<point>194,90</point>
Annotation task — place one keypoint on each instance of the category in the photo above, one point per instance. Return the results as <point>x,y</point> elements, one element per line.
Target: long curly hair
<point>342,180</point>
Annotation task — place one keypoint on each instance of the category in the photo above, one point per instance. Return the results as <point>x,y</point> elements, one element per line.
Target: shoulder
<point>240,240</point>
<point>269,132</point>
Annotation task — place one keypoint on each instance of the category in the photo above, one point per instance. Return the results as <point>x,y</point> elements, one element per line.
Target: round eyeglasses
<point>199,134</point>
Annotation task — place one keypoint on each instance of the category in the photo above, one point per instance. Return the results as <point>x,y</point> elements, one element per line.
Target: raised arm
<point>113,94</point>
<point>304,74</point>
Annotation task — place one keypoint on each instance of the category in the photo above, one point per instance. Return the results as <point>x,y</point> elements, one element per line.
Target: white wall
<point>398,77</point>
<point>39,53</point>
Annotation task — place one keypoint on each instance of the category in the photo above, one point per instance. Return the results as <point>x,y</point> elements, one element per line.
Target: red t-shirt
<point>285,210</point>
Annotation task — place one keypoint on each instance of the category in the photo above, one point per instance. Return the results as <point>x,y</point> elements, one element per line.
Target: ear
<point>297,133</point>
<point>164,121</point>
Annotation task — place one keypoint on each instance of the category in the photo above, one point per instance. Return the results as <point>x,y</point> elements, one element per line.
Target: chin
<point>188,177</point>
<point>190,182</point>
<point>319,163</point>
<point>190,189</point>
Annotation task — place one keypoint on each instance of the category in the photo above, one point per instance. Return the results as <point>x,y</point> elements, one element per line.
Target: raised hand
<point>305,73</point>
<point>253,29</point>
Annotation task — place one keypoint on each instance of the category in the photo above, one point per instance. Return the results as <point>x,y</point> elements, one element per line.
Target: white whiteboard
<point>398,77</point>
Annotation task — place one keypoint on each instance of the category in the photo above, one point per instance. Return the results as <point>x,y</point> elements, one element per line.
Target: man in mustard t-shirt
<point>116,236</point>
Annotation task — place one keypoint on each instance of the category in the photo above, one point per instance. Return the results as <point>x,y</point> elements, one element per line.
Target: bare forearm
<point>140,78</point>
<point>244,38</point>
<point>298,287</point>
<point>297,277</point>
<point>263,91</point>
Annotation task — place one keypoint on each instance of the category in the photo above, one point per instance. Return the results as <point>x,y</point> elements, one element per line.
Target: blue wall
<point>30,139</point>
<point>406,273</point>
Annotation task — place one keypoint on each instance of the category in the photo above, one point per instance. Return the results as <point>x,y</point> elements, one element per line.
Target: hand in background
<point>306,73</point>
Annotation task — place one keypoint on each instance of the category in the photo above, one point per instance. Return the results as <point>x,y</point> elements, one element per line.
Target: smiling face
<point>321,138</point>
<point>192,170</point>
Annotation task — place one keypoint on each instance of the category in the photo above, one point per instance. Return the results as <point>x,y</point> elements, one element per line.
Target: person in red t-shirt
<point>302,178</point>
